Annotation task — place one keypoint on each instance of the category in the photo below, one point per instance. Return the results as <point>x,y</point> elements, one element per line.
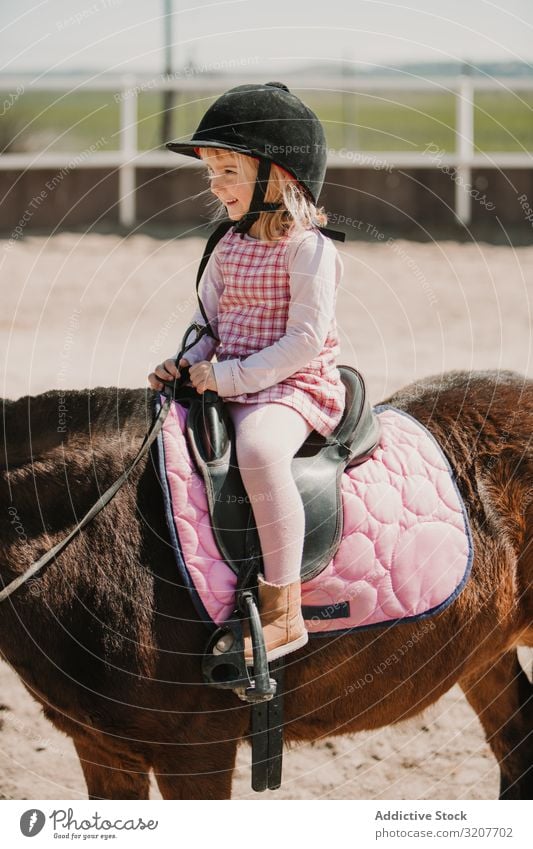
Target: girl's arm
<point>210,289</point>
<point>314,273</point>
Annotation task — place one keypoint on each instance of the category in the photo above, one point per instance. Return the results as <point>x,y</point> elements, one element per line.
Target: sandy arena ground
<point>96,310</point>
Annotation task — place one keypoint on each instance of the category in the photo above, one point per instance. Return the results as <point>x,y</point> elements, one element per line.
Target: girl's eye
<point>211,174</point>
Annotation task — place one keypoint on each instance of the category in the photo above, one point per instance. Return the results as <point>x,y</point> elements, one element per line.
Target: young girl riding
<point>268,296</point>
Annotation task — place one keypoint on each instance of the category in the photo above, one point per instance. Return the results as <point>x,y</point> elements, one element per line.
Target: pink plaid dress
<point>252,314</point>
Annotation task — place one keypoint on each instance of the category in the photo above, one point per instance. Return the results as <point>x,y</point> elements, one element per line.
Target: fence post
<point>464,148</point>
<point>128,149</point>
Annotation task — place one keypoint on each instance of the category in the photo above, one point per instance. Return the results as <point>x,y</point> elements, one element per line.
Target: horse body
<point>108,641</point>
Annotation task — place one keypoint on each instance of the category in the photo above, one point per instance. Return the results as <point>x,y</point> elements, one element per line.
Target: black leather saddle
<point>317,468</point>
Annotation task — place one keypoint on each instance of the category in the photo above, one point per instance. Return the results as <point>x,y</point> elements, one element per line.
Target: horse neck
<point>35,425</point>
<point>61,451</point>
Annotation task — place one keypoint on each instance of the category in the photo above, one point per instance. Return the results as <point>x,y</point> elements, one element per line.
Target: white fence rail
<point>128,158</point>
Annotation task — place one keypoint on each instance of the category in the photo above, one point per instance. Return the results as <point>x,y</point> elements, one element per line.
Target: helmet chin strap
<point>257,204</point>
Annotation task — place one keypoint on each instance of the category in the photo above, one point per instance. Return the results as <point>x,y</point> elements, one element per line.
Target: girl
<point>268,296</point>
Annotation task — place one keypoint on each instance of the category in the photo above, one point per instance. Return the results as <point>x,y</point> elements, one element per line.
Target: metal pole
<point>168,96</point>
<point>128,150</point>
<point>345,131</point>
<point>464,146</point>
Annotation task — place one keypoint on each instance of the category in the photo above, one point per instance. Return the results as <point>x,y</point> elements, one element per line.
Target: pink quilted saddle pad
<point>406,549</point>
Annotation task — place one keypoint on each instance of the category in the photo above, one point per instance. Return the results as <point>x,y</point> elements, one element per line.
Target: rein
<point>169,392</point>
<point>104,499</point>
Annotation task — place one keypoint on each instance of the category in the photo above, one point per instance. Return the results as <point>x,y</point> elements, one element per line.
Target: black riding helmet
<point>270,123</point>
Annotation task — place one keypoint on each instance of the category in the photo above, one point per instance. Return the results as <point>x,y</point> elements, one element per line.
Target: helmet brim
<point>188,148</point>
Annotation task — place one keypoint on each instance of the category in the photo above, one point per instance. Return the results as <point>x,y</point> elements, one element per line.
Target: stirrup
<point>228,670</point>
<point>264,693</point>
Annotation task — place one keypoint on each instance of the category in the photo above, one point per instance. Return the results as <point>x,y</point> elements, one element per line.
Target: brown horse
<point>107,640</point>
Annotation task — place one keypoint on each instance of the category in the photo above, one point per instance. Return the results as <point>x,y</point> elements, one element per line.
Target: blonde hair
<point>298,211</point>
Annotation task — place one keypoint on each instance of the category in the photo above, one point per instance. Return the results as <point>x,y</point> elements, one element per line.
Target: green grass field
<point>380,120</point>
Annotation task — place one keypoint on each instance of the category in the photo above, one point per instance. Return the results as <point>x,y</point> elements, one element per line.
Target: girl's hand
<point>165,371</point>
<point>203,376</point>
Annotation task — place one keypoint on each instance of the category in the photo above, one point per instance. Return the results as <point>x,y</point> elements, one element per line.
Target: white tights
<point>267,438</point>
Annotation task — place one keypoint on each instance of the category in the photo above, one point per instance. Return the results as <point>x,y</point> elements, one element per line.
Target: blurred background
<point>427,109</point>
<point>428,113</point>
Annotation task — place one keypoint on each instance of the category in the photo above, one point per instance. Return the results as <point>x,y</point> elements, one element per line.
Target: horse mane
<point>485,384</point>
<point>52,471</point>
<point>32,426</point>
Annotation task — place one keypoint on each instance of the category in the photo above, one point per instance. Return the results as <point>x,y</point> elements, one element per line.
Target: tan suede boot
<point>281,616</point>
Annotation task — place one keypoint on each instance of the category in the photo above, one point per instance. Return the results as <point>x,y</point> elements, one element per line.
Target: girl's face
<point>232,180</point>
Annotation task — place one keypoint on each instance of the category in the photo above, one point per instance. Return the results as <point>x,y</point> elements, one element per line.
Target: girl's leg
<point>267,438</point>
